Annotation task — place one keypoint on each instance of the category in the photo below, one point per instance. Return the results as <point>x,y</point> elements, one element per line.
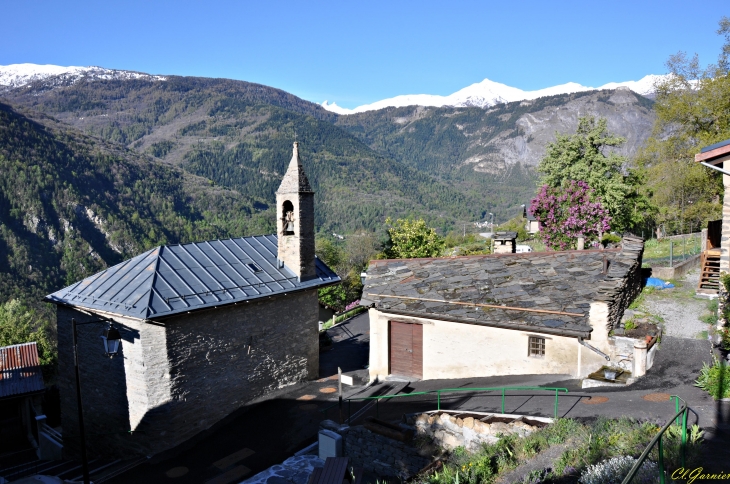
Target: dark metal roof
<point>451,288</point>
<point>20,370</point>
<point>715,146</point>
<point>173,279</point>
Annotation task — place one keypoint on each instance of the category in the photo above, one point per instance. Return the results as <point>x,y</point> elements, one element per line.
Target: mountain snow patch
<point>488,93</point>
<point>18,75</point>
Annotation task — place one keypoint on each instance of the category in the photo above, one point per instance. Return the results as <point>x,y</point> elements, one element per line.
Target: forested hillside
<point>239,135</point>
<point>71,205</point>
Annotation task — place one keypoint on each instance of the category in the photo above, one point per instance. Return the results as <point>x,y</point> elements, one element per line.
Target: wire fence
<point>670,252</point>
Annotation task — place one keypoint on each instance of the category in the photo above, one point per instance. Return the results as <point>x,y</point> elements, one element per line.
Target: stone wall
<point>378,454</point>
<point>474,430</point>
<point>177,378</point>
<point>110,387</point>
<point>620,297</point>
<point>297,251</point>
<point>725,238</point>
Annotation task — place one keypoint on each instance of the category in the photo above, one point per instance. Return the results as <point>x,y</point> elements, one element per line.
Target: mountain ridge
<point>488,93</point>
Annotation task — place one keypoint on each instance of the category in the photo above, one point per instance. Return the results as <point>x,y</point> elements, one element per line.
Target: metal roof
<point>20,370</point>
<point>173,279</point>
<point>715,146</point>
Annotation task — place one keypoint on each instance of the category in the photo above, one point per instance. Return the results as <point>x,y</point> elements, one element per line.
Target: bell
<point>289,227</point>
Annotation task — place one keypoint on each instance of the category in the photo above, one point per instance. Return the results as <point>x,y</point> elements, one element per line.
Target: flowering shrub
<point>352,305</point>
<point>567,212</point>
<point>613,471</point>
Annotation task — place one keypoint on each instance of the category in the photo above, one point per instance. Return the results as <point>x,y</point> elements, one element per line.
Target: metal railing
<point>438,393</point>
<point>657,440</point>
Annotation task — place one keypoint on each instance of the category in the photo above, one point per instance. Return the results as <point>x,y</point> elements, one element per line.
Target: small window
<point>254,268</point>
<point>537,347</point>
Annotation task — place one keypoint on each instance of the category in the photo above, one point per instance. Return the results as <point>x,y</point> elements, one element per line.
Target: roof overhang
<point>503,325</point>
<point>715,155</point>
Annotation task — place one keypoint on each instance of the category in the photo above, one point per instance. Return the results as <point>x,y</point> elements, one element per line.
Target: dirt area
<point>679,308</point>
<point>642,330</point>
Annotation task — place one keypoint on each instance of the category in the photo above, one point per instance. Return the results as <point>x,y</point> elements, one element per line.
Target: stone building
<point>505,242</point>
<point>206,327</point>
<point>500,314</point>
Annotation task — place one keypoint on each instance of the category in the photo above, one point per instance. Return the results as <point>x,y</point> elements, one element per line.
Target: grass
<point>711,316</point>
<point>658,249</point>
<point>585,445</point>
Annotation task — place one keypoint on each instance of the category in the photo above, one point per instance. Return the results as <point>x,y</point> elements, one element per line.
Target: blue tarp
<point>658,283</point>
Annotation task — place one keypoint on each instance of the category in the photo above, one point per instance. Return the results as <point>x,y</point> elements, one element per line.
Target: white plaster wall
<point>458,350</point>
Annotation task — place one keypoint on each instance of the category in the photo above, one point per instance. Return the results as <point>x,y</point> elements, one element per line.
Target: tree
<point>567,212</point>
<point>586,156</point>
<point>693,111</point>
<point>410,238</point>
<point>20,324</point>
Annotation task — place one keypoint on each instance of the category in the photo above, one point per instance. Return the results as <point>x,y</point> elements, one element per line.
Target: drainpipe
<point>596,350</point>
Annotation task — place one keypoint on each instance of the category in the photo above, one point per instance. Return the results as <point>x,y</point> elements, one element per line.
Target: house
<point>532,226</point>
<point>715,258</point>
<point>21,390</point>
<point>500,314</point>
<point>505,242</point>
<point>206,328</point>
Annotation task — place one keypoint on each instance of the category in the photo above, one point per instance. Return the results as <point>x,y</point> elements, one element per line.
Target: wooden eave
<point>714,157</point>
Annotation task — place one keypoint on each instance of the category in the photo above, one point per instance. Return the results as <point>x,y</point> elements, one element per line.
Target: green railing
<point>681,413</point>
<point>438,393</point>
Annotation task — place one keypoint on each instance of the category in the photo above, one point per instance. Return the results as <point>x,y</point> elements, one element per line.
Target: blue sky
<point>355,53</point>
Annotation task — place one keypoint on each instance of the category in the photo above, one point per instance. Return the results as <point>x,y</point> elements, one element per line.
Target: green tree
<point>586,156</point>
<point>20,324</point>
<point>693,111</point>
<point>410,238</point>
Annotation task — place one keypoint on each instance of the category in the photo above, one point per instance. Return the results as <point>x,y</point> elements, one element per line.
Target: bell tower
<point>295,219</point>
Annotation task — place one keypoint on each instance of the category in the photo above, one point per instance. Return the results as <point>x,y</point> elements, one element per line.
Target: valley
<point>138,160</point>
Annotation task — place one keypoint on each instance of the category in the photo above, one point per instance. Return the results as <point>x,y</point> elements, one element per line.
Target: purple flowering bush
<point>352,305</point>
<point>566,212</point>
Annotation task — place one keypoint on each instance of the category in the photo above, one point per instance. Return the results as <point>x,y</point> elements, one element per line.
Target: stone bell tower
<point>295,219</point>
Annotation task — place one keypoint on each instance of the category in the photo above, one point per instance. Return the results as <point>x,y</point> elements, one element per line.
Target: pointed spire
<point>295,181</point>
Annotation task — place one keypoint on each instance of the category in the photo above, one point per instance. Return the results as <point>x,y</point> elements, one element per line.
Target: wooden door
<point>406,349</point>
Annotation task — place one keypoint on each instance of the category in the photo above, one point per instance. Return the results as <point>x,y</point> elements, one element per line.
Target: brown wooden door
<point>406,349</point>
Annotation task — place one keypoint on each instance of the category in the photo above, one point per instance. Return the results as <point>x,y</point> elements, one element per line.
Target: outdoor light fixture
<point>111,338</point>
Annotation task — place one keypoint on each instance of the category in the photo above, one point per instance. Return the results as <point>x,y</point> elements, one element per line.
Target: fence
<point>671,251</point>
<point>438,394</point>
<point>681,414</point>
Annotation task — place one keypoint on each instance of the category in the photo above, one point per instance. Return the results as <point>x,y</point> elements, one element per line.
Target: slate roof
<point>20,370</point>
<point>566,282</point>
<point>173,279</point>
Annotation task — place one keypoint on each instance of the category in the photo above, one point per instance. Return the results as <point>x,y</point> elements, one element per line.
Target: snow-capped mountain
<point>18,75</point>
<point>488,93</point>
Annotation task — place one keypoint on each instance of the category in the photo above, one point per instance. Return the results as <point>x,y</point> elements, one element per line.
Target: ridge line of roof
<point>152,285</point>
<point>518,254</point>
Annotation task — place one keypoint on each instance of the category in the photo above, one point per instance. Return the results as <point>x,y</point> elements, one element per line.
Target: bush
<point>613,471</point>
<point>610,239</point>
<point>715,379</point>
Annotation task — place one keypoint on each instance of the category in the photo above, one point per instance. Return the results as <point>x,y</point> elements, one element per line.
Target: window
<point>288,214</point>
<point>536,347</point>
<point>253,267</point>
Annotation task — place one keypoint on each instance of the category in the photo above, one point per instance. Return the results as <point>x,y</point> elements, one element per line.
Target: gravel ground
<point>680,308</point>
